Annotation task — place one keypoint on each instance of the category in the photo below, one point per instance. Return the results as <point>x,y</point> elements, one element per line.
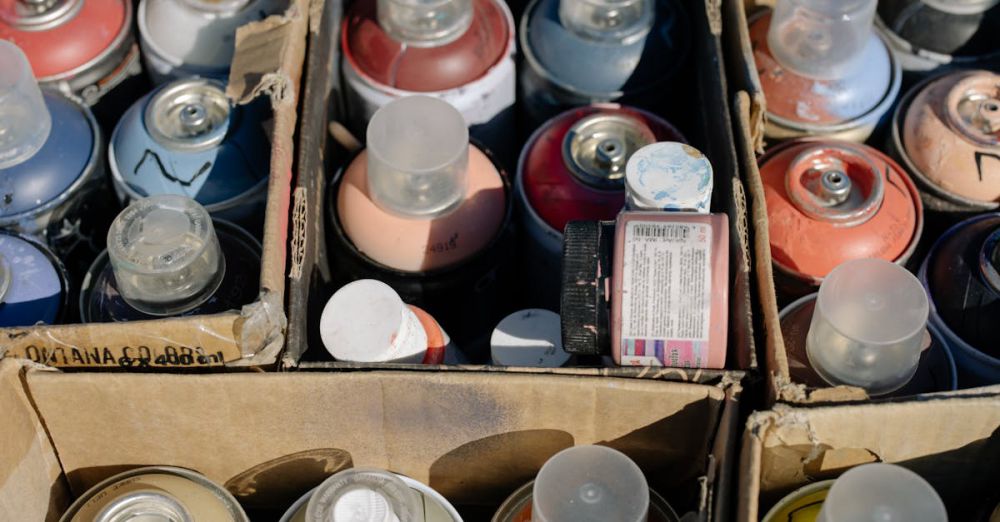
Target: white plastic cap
<point>882,492</point>
<point>590,483</point>
<point>165,255</point>
<point>531,338</point>
<point>425,23</point>
<point>668,176</point>
<point>25,121</point>
<point>962,7</point>
<point>418,157</point>
<point>364,495</point>
<point>607,19</point>
<point>868,326</point>
<point>367,321</point>
<point>822,39</point>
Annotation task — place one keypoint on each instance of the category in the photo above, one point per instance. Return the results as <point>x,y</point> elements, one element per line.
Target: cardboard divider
<point>952,440</point>
<point>707,125</point>
<point>270,437</point>
<point>268,61</point>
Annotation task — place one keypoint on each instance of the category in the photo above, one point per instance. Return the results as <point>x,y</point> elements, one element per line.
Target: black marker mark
<point>163,169</point>
<point>979,161</point>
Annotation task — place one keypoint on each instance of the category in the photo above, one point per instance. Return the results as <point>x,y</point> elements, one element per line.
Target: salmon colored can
<point>833,201</point>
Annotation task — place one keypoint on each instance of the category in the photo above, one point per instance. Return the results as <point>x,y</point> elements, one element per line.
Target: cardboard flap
<point>260,63</point>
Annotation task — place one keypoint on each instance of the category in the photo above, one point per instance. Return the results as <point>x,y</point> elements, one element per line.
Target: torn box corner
<point>262,325</point>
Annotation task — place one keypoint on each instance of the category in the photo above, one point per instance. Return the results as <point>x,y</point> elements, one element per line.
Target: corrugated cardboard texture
<point>952,440</point>
<point>268,61</point>
<point>269,437</point>
<point>31,483</point>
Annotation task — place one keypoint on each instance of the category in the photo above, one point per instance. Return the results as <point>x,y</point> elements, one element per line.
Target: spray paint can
<point>838,88</point>
<point>187,138</point>
<point>465,57</point>
<point>961,277</point>
<point>946,131</point>
<point>621,52</point>
<point>831,201</point>
<point>82,48</point>
<point>33,282</point>
<point>927,34</point>
<point>156,492</point>
<point>182,38</point>
<point>573,168</point>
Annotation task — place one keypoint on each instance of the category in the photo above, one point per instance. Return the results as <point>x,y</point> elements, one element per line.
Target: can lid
<point>586,269</point>
<point>615,20</point>
<point>823,39</point>
<point>590,483</point>
<point>189,114</point>
<point>529,338</point>
<point>884,492</point>
<point>962,7</point>
<point>835,183</point>
<point>145,505</point>
<point>165,254</point>
<point>25,121</point>
<point>38,14</point>
<point>425,23</point>
<point>363,495</point>
<point>216,6</point>
<point>669,176</point>
<point>597,148</point>
<point>366,321</point>
<point>973,108</point>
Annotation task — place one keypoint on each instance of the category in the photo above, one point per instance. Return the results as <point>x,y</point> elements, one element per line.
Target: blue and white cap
<point>669,176</point>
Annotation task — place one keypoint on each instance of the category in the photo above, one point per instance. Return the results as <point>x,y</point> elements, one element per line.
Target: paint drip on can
<point>461,51</point>
<point>573,168</point>
<point>927,34</point>
<point>33,282</point>
<point>831,201</point>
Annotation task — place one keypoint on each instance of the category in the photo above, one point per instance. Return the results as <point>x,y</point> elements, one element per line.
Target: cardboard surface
<point>952,440</point>
<point>268,61</point>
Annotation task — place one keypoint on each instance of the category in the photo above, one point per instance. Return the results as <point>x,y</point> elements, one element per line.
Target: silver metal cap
<point>189,114</point>
<point>597,148</point>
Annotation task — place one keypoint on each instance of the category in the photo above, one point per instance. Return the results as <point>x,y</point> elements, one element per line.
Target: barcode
<point>662,231</point>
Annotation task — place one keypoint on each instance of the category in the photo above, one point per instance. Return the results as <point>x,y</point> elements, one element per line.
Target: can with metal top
<point>187,138</point>
<point>573,168</point>
<point>156,493</point>
<point>802,505</point>
<point>33,282</point>
<point>846,107</point>
<point>195,37</point>
<point>622,52</point>
<point>83,48</point>
<point>947,133</point>
<point>927,34</point>
<point>962,277</point>
<point>832,201</point>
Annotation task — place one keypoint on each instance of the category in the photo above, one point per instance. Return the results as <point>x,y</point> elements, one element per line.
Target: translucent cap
<point>25,121</point>
<point>367,321</point>
<point>165,255</point>
<point>883,493</point>
<point>622,20</point>
<point>869,325</point>
<point>823,39</point>
<point>364,495</point>
<point>669,176</point>
<point>425,23</point>
<point>590,483</point>
<point>418,157</point>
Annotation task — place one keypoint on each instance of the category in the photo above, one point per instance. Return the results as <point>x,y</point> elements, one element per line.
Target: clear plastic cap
<point>364,495</point>
<point>615,20</point>
<point>165,255</point>
<point>418,157</point>
<point>669,176</point>
<point>590,483</point>
<point>869,325</point>
<point>823,39</point>
<point>367,321</point>
<point>425,23</point>
<point>25,121</point>
<point>883,493</point>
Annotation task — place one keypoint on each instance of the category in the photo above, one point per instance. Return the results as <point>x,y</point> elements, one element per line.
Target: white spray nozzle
<point>425,23</point>
<point>590,483</point>
<point>882,492</point>
<point>25,121</point>
<point>822,39</point>
<point>607,19</point>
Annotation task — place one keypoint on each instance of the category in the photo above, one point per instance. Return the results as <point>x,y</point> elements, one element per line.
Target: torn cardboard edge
<point>268,61</point>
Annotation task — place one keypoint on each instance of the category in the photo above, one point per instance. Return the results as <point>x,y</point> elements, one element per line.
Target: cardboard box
<point>706,123</point>
<point>270,437</point>
<point>950,439</point>
<point>268,61</point>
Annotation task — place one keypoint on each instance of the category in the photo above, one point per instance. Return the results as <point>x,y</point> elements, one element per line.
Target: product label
<point>666,294</point>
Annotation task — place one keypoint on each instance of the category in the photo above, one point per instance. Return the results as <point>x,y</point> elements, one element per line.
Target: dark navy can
<point>33,283</point>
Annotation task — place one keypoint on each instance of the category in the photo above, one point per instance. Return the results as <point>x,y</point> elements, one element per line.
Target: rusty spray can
<point>823,68</point>
<point>831,201</point>
<point>195,37</point>
<point>573,168</point>
<point>622,51</point>
<point>33,282</point>
<point>461,51</point>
